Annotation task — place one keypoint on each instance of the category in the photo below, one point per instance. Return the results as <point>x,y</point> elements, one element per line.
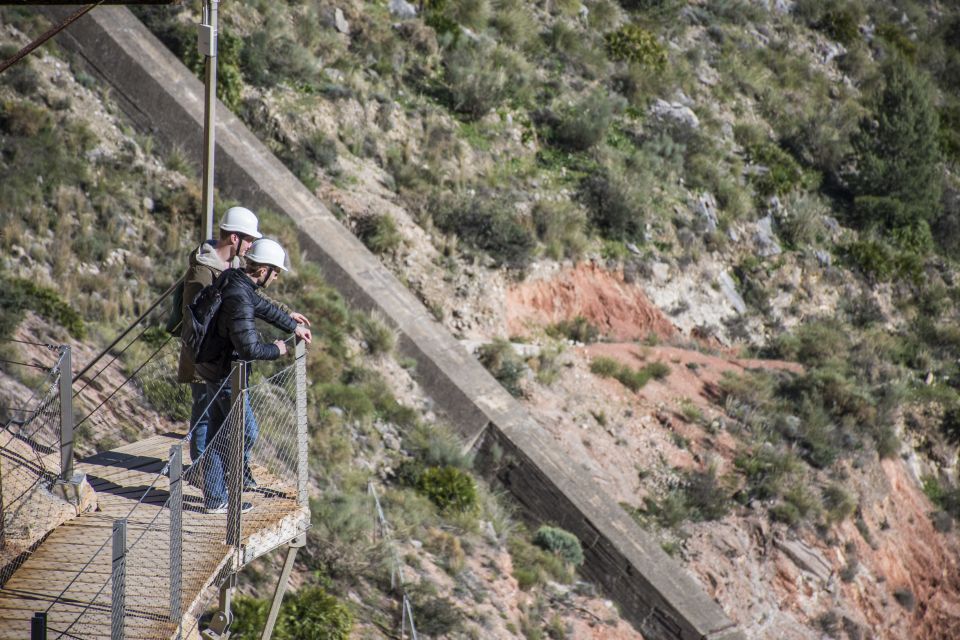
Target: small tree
<point>898,180</point>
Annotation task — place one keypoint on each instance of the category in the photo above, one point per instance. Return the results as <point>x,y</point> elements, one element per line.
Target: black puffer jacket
<point>235,325</point>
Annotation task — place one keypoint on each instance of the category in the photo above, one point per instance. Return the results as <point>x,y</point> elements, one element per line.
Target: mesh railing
<point>186,533</point>
<point>30,449</point>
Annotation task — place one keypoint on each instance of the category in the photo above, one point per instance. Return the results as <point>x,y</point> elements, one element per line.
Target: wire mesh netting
<point>29,466</point>
<point>237,498</point>
<point>141,382</point>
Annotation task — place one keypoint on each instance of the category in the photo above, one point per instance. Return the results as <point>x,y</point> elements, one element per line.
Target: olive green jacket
<point>205,267</point>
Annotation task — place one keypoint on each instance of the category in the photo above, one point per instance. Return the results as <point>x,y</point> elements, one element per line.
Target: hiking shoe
<point>222,508</point>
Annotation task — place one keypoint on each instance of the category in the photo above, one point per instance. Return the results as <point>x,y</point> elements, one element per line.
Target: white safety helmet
<point>268,252</point>
<point>240,220</point>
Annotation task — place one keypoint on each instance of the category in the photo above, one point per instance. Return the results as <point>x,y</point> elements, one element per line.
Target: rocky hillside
<point>711,245</point>
<point>96,222</point>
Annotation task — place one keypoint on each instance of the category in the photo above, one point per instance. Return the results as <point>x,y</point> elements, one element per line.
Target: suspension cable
<point>46,35</point>
<point>23,364</point>
<point>112,360</point>
<point>143,315</point>
<point>124,383</point>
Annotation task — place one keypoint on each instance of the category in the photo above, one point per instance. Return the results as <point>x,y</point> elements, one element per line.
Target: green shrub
<point>314,614</point>
<point>766,470</point>
<point>842,23</point>
<point>783,173</point>
<point>706,495</point>
<point>478,78</point>
<point>532,565</point>
<point>633,43</point>
<point>560,227</point>
<point>486,223</point>
<point>604,367</point>
<point>504,364</point>
<point>839,504</point>
<point>560,542</point>
<point>616,205</point>
<point>584,123</point>
<point>449,488</point>
<point>17,295</point>
<point>308,614</point>
<point>379,232</point>
<point>380,338</point>
<point>435,617</point>
<point>786,513</point>
<point>896,151</point>
<point>579,330</point>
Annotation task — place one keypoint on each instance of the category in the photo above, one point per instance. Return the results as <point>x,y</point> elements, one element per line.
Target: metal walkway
<point>120,478</point>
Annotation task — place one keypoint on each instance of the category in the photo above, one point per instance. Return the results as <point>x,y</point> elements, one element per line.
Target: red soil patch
<point>619,310</point>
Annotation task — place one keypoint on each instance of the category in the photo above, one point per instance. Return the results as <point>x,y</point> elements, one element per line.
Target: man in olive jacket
<point>238,229</point>
<point>235,330</point>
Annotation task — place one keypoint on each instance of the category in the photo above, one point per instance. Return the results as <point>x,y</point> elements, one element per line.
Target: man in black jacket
<point>236,328</point>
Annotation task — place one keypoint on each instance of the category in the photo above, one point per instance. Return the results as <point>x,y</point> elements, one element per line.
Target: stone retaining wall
<point>164,99</point>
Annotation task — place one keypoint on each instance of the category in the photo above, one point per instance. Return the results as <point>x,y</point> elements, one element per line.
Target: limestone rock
<point>706,210</point>
<point>402,9</point>
<point>340,22</point>
<point>806,558</point>
<point>764,238</point>
<point>729,289</point>
<point>674,114</point>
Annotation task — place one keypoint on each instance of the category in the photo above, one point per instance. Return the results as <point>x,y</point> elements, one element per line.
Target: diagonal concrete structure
<point>163,98</point>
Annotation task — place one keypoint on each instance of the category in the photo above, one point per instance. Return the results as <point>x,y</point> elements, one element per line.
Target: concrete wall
<point>163,98</point>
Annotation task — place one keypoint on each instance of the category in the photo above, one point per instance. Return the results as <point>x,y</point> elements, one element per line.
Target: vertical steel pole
<point>237,427</point>
<point>176,532</point>
<point>302,444</point>
<point>118,579</point>
<point>38,626</point>
<point>66,414</point>
<point>207,43</point>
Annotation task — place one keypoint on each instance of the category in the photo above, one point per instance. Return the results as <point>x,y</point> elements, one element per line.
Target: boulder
<point>765,240</point>
<point>706,209</point>
<point>402,9</point>
<point>674,115</point>
<point>340,22</point>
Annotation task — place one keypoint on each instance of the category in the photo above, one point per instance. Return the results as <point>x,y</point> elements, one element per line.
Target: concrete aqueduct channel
<point>164,99</point>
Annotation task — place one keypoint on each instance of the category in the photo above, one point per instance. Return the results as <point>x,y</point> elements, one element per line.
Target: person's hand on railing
<point>299,318</point>
<point>303,333</point>
<point>282,346</point>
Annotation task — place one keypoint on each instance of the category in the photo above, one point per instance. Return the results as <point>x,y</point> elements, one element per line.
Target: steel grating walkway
<point>69,573</point>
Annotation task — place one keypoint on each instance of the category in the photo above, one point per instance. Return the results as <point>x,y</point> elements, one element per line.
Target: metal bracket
<point>207,40</point>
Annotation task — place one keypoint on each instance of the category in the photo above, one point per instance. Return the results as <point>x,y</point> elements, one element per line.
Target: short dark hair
<point>250,266</point>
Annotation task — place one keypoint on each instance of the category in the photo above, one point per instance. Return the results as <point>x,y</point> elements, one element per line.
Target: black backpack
<point>200,324</point>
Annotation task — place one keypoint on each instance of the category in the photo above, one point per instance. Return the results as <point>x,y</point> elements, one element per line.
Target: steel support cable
<point>23,364</point>
<point>145,493</point>
<point>89,381</point>
<point>55,370</point>
<point>124,383</point>
<point>143,315</point>
<point>46,35</point>
<point>52,347</point>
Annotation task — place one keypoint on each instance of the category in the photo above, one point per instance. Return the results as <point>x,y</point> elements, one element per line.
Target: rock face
<point>765,240</point>
<point>729,289</point>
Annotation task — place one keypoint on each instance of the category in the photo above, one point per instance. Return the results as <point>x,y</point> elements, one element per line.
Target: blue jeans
<point>214,466</point>
<point>199,419</point>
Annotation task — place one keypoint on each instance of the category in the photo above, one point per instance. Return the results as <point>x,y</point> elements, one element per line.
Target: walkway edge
<point>163,98</point>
